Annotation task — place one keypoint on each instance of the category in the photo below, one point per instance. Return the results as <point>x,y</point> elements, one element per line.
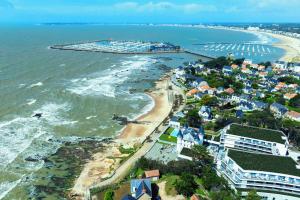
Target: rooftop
<point>152,173</point>
<point>256,133</point>
<point>264,162</point>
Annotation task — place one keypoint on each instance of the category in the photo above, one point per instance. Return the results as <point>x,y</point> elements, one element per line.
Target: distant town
<point>233,135</point>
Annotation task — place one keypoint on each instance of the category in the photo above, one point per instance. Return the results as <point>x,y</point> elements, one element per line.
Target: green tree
<point>280,100</point>
<point>266,64</point>
<point>109,195</point>
<point>252,195</point>
<point>186,185</point>
<point>238,61</point>
<point>222,195</point>
<point>218,63</point>
<point>201,155</point>
<point>193,119</point>
<point>255,86</point>
<point>209,100</point>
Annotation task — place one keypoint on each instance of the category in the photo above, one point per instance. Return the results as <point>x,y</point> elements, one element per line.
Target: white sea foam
<point>146,109</point>
<point>18,134</point>
<point>22,85</point>
<point>36,85</point>
<point>105,82</point>
<point>62,65</point>
<point>6,187</point>
<point>31,101</point>
<point>90,117</point>
<point>103,127</point>
<point>263,38</point>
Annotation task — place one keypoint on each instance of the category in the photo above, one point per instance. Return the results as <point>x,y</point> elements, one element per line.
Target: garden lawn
<point>168,138</point>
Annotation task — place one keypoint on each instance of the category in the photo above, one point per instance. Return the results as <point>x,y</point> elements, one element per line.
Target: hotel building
<point>254,139</point>
<point>273,177</point>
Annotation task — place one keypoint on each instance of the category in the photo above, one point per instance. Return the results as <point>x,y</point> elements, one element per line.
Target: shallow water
<point>76,92</point>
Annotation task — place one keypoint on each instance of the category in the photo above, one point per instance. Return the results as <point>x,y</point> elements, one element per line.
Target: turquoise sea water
<point>78,92</point>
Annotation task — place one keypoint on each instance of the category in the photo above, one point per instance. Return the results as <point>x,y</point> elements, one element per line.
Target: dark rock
<point>38,115</point>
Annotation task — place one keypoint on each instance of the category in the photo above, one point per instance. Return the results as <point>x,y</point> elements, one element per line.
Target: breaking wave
<point>105,83</point>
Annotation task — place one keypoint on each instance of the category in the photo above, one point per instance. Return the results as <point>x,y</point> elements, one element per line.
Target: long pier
<point>199,54</point>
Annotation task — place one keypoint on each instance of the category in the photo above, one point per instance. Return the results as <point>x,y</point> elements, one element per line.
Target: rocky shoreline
<point>60,169</point>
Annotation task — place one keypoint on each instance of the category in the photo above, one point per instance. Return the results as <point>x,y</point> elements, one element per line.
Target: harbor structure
<point>122,47</point>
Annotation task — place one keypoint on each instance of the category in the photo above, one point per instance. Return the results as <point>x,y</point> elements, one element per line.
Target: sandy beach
<point>100,169</point>
<point>290,45</point>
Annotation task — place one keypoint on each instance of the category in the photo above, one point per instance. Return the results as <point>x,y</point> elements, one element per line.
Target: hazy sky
<point>143,11</point>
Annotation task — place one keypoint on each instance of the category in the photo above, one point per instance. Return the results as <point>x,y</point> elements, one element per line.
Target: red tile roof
<point>195,197</point>
<point>152,173</point>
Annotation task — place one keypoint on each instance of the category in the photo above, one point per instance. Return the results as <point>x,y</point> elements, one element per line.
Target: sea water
<point>77,92</point>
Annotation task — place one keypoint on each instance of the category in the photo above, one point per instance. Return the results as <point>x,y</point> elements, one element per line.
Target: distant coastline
<point>290,45</point>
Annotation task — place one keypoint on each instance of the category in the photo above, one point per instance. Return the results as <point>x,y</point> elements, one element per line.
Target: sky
<point>144,11</point>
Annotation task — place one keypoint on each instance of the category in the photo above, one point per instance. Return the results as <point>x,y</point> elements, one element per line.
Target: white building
<point>296,67</point>
<point>174,122</point>
<point>247,62</point>
<point>254,139</point>
<point>280,65</point>
<point>205,113</point>
<point>268,174</point>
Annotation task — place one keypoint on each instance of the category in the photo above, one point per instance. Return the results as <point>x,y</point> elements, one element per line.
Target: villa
<point>247,62</point>
<point>254,139</point>
<point>268,174</point>
<point>205,113</point>
<point>153,175</point>
<point>227,70</point>
<point>293,115</point>
<point>289,96</point>
<point>140,189</point>
<point>278,109</point>
<point>229,91</point>
<point>188,137</point>
<point>245,106</point>
<point>280,65</point>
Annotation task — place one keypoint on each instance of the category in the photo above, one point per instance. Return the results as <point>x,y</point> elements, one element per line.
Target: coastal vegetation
<point>109,195</point>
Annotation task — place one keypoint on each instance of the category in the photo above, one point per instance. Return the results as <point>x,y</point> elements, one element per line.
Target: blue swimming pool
<point>175,132</point>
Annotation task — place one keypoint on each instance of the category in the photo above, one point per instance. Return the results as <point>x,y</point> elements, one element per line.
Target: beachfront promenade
<point>164,99</point>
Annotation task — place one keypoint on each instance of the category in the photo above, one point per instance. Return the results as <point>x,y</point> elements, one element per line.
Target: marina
<point>122,47</point>
<point>236,49</point>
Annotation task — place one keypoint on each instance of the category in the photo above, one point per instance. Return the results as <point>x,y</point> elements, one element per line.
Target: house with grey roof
<point>188,137</point>
<point>278,109</point>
